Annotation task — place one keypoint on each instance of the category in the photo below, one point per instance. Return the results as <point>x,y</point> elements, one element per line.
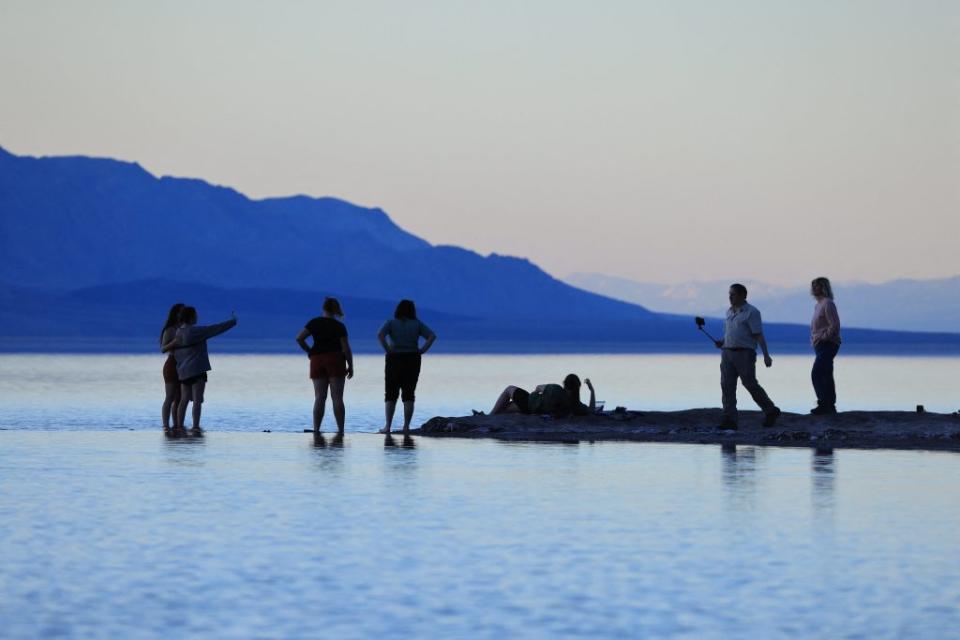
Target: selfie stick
<point>700,322</point>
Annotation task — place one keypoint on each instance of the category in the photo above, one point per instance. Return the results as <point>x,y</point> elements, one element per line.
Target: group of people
<point>330,356</point>
<point>331,364</point>
<point>743,333</point>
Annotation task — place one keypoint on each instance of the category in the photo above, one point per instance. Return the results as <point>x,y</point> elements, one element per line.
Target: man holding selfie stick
<point>742,332</point>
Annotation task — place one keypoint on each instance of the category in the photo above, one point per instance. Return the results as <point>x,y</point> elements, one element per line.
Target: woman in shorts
<point>331,361</point>
<point>400,339</point>
<point>193,362</point>
<point>171,382</point>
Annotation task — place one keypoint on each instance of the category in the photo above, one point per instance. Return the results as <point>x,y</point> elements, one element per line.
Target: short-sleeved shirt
<point>740,326</point>
<point>326,333</point>
<point>404,334</point>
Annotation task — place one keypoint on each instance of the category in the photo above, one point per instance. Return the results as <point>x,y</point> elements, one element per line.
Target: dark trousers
<point>741,364</point>
<point>822,374</point>
<point>401,372</point>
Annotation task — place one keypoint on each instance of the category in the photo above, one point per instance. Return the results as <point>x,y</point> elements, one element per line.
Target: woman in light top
<point>331,361</point>
<point>171,382</point>
<point>193,362</point>
<point>825,337</point>
<point>400,339</point>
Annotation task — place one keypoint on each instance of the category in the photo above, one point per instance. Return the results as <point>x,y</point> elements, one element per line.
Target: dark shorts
<point>521,398</point>
<point>328,365</point>
<point>170,371</point>
<point>401,372</point>
<point>192,380</point>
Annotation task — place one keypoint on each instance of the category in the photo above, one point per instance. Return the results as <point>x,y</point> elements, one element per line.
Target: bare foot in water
<point>385,430</point>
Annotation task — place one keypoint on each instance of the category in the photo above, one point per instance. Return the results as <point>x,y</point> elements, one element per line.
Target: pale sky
<point>660,141</point>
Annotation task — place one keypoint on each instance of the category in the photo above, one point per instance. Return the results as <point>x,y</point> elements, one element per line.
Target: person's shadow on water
<point>320,442</point>
<point>406,443</point>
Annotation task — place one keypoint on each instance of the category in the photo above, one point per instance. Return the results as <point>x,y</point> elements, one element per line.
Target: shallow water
<point>124,535</point>
<point>256,392</point>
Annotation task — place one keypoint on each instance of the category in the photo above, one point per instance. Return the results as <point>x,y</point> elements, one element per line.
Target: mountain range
<point>95,250</point>
<point>905,304</point>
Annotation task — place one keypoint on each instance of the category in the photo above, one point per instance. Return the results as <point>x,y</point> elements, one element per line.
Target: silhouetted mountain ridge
<point>70,222</point>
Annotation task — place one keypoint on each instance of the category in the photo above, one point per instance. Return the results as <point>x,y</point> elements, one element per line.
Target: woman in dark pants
<point>400,339</point>
<point>825,337</point>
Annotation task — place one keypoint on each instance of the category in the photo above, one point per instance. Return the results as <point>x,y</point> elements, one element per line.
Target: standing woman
<point>171,382</point>
<point>331,361</point>
<point>193,362</point>
<point>402,369</point>
<point>825,337</point>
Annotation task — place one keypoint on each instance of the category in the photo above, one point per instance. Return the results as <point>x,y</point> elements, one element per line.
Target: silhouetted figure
<point>193,362</point>
<point>331,361</point>
<point>825,338</point>
<point>400,339</point>
<point>742,332</point>
<point>557,400</point>
<point>171,382</point>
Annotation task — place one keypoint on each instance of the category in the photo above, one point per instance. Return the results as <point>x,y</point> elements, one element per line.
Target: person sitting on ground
<point>553,399</point>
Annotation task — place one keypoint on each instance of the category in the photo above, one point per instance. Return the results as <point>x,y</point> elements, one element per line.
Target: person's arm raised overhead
<point>348,354</point>
<point>593,395</point>
<point>302,340</point>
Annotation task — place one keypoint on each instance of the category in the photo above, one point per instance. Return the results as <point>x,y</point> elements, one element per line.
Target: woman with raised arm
<point>825,338</point>
<point>400,339</point>
<point>171,382</point>
<point>193,362</point>
<point>331,361</point>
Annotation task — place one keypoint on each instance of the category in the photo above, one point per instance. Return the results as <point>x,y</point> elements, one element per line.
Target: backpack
<point>551,399</point>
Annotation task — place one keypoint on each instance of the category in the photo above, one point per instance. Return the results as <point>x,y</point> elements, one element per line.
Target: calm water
<point>107,533</point>
<point>256,392</point>
<point>125,535</point>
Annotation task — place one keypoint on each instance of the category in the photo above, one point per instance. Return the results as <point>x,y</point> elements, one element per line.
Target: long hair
<point>824,284</point>
<point>332,306</point>
<point>173,318</point>
<point>406,310</point>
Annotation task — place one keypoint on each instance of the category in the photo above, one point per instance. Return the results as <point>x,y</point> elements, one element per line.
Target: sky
<point>660,141</point>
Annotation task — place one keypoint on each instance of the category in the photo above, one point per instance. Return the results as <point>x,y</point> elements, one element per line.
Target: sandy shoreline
<point>849,429</point>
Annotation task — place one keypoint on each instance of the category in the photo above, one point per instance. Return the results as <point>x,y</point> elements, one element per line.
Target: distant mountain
<point>69,222</point>
<point>127,317</point>
<point>907,305</point>
<point>94,251</point>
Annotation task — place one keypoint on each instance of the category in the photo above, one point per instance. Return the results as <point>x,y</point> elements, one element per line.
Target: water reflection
<point>183,451</point>
<point>739,473</point>
<point>823,478</point>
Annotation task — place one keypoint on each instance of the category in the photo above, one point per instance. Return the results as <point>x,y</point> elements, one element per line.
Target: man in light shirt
<point>742,332</point>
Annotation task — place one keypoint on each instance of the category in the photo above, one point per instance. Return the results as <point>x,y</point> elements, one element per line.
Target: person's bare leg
<point>407,415</point>
<point>389,408</point>
<point>198,388</point>
<point>500,406</point>
<point>319,401</point>
<point>170,404</point>
<point>186,394</point>
<point>336,397</point>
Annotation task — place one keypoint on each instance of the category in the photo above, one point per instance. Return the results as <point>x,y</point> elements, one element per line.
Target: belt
<point>740,349</point>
